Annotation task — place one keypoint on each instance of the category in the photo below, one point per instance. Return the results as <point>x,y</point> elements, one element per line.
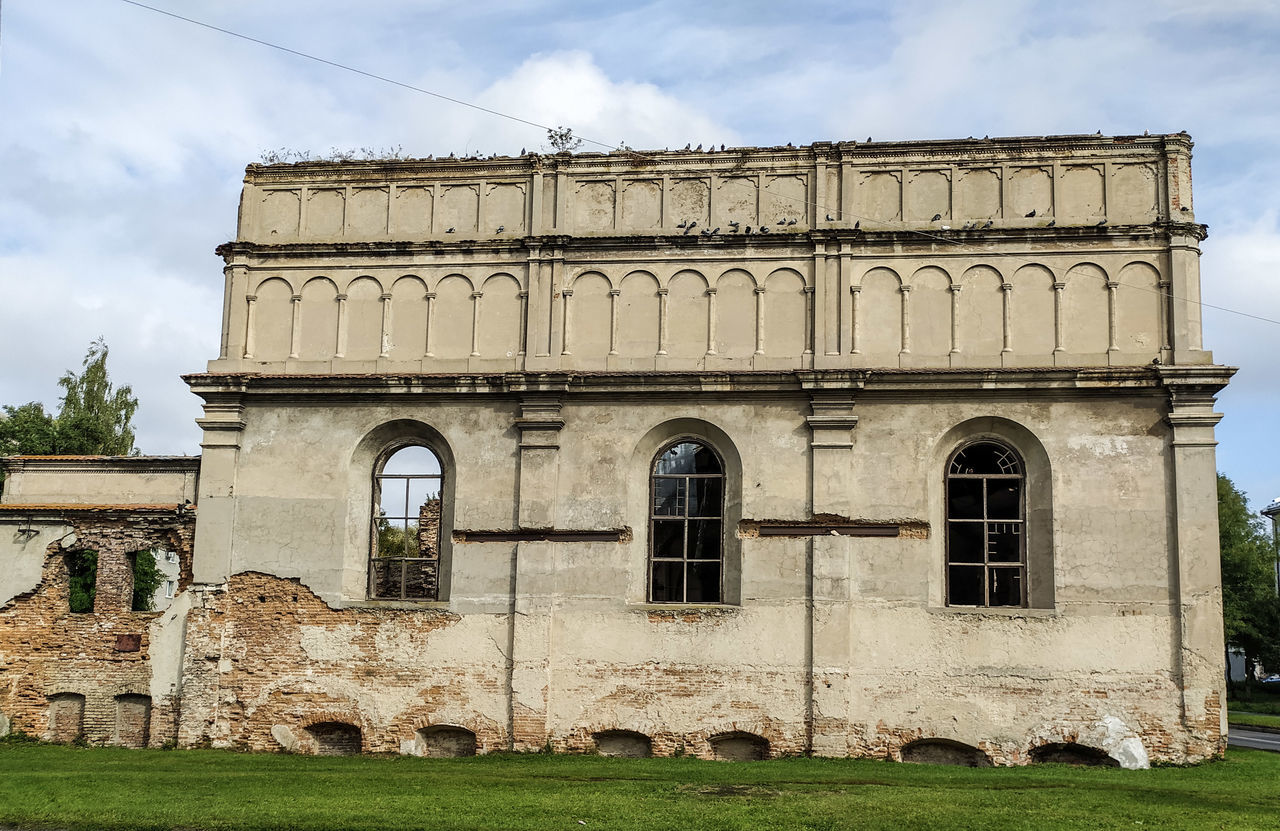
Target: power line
<point>614,147</point>
<point>353,69</point>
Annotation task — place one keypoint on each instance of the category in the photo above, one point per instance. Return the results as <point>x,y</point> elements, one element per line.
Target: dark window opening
<point>686,525</point>
<point>407,511</point>
<point>986,524</point>
<point>82,581</point>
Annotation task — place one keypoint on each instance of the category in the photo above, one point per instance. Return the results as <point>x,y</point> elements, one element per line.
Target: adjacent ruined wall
<point>109,676</point>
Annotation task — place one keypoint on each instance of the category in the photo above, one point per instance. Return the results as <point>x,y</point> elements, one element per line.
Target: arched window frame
<point>654,517</point>
<point>1004,526</point>
<point>438,561</point>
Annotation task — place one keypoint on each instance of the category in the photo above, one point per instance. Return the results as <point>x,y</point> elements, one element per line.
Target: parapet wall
<point>1013,252</point>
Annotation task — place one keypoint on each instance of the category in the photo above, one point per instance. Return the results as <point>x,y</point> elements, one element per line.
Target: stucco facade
<point>839,331</point>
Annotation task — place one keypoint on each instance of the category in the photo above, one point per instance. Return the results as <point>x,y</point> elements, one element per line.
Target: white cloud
<point>125,136</point>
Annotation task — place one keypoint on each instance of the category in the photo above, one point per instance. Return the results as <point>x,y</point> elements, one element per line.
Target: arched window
<point>686,525</point>
<point>986,521</point>
<point>406,535</point>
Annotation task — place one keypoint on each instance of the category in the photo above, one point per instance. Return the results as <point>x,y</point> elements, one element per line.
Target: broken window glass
<point>986,520</point>
<point>686,530</point>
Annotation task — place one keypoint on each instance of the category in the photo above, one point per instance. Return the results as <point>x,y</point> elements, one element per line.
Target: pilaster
<point>1197,580</point>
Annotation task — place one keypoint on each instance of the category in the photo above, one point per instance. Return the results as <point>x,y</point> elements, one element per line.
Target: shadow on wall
<point>625,744</point>
<point>445,742</point>
<point>739,747</point>
<point>944,752</point>
<point>1070,753</point>
<point>334,738</point>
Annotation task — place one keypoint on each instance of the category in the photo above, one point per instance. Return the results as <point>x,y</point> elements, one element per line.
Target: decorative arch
<point>930,316</point>
<point>640,488</point>
<point>735,314</point>
<point>1140,312</point>
<point>500,317</point>
<point>638,313</point>
<point>785,329</point>
<point>588,315</point>
<point>1037,496</point>
<point>687,315</point>
<point>318,319</point>
<point>452,317</point>
<point>407,337</point>
<point>364,319</point>
<point>878,324</point>
<point>1086,311</point>
<point>1034,317</point>
<point>271,315</point>
<point>980,316</point>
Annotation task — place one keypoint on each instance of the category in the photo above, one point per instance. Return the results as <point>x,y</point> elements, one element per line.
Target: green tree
<point>95,417</point>
<point>147,577</point>
<point>27,429</point>
<point>1250,607</point>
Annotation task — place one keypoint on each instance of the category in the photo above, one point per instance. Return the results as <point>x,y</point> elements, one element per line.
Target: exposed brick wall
<point>266,652</point>
<point>46,650</point>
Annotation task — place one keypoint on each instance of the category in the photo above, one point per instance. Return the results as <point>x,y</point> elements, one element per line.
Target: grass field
<point>1253,720</point>
<point>110,788</point>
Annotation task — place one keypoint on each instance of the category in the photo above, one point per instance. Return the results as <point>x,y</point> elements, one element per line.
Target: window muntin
<point>986,524</point>
<point>686,525</point>
<point>405,535</point>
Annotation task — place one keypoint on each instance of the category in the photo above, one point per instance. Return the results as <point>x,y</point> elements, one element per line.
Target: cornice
<point>869,240</point>
<point>800,384</point>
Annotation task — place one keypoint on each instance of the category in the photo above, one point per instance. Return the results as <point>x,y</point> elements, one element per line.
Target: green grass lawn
<point>110,788</point>
<point>1253,720</point>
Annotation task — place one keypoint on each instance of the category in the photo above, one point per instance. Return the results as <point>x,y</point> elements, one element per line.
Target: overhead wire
<point>619,148</point>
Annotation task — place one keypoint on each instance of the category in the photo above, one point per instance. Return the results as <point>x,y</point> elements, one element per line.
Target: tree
<point>1250,606</point>
<point>27,429</point>
<point>562,139</point>
<point>95,418</point>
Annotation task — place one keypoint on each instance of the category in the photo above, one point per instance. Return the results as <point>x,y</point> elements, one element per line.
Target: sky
<point>124,135</point>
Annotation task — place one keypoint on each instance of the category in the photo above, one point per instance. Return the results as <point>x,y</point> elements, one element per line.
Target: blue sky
<point>124,135</point>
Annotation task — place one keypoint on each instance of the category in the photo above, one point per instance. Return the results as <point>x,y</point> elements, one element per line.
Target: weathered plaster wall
<point>1045,252</point>
<point>100,480</point>
<point>882,663</point>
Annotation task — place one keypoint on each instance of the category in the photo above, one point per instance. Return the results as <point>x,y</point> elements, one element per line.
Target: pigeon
<point>831,218</point>
<point>450,231</point>
<point>733,223</point>
<point>764,229</point>
<point>682,224</point>
<point>988,225</point>
<point>501,228</point>
<point>857,225</point>
<point>936,217</point>
<point>791,222</point>
<point>714,231</point>
<point>1101,223</point>
<point>1052,223</point>
<point>1033,213</point>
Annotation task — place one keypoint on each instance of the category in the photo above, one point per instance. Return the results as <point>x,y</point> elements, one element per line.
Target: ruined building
<point>901,450</point>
